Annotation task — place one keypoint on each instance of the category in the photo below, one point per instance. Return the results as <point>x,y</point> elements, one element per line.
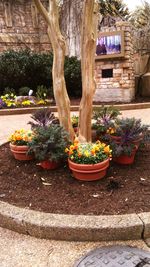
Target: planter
<point>20,152</point>
<point>117,140</point>
<point>138,140</point>
<point>75,129</point>
<point>89,172</point>
<point>94,135</point>
<point>49,165</point>
<point>125,159</point>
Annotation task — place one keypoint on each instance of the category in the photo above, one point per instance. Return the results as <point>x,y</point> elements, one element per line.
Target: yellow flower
<point>67,150</point>
<point>72,147</point>
<point>87,153</point>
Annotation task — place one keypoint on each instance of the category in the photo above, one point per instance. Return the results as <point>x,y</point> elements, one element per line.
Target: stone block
<point>70,227</point>
<point>145,217</point>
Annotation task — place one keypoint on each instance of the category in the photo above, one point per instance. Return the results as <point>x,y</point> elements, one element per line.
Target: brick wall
<point>121,86</point>
<point>21,26</point>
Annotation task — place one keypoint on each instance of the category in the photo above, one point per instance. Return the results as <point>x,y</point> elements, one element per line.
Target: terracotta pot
<point>94,135</point>
<point>49,165</point>
<point>75,129</point>
<point>125,159</point>
<point>117,140</point>
<point>138,140</point>
<point>89,172</point>
<point>20,152</point>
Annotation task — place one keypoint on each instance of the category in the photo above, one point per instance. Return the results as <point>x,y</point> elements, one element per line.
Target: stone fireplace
<point>115,79</point>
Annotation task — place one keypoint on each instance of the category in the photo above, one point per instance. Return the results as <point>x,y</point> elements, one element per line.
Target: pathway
<point>10,123</point>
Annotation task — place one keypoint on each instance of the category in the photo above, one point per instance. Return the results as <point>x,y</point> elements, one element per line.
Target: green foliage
<point>105,118</point>
<point>42,92</point>
<point>130,131</point>
<point>25,68</point>
<point>73,76</point>
<point>122,149</point>
<point>49,143</point>
<point>74,120</point>
<point>24,91</point>
<point>43,118</point>
<point>9,91</point>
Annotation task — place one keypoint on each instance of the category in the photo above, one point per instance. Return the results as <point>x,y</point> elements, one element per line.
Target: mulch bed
<point>125,189</point>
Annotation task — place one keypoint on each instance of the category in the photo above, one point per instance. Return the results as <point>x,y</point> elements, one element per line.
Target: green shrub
<point>25,68</point>
<point>42,92</point>
<point>49,142</point>
<point>73,76</point>
<point>9,91</point>
<point>24,91</point>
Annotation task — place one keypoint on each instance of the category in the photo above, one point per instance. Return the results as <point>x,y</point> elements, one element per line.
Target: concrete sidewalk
<point>17,250</point>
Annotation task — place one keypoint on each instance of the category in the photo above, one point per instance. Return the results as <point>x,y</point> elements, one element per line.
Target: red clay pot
<point>125,159</point>
<point>75,129</point>
<point>20,152</point>
<point>94,135</point>
<point>49,165</point>
<point>116,139</point>
<point>89,172</point>
<point>138,140</point>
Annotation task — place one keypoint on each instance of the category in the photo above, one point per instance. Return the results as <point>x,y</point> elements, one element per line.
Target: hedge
<point>25,68</point>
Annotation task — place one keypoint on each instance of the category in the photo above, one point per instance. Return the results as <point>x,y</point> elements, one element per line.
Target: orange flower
<point>93,151</point>
<point>106,149</point>
<point>79,154</point>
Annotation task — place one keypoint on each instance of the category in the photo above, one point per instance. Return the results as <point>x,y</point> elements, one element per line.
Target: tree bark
<point>70,20</point>
<point>59,48</point>
<point>88,46</point>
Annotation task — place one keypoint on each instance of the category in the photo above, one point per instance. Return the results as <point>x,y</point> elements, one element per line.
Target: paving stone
<point>115,256</point>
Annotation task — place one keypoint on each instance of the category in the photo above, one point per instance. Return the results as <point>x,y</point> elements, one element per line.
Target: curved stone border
<point>74,227</point>
<point>30,110</point>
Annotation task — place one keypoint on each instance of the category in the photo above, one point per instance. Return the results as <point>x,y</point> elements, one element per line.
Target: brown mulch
<point>125,189</point>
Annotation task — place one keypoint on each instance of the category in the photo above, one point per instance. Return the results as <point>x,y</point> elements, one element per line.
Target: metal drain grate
<point>115,256</point>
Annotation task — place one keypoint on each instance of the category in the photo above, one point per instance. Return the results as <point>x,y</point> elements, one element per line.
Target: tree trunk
<point>59,48</point>
<point>70,20</point>
<point>88,43</point>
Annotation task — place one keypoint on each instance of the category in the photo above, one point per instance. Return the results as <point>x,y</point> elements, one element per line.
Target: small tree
<point>140,21</point>
<point>88,43</point>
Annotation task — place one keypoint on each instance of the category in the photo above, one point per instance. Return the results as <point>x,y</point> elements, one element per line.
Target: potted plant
<point>19,144</point>
<point>43,118</point>
<point>48,145</point>
<point>75,121</point>
<point>104,122</point>
<point>88,161</point>
<point>128,136</point>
